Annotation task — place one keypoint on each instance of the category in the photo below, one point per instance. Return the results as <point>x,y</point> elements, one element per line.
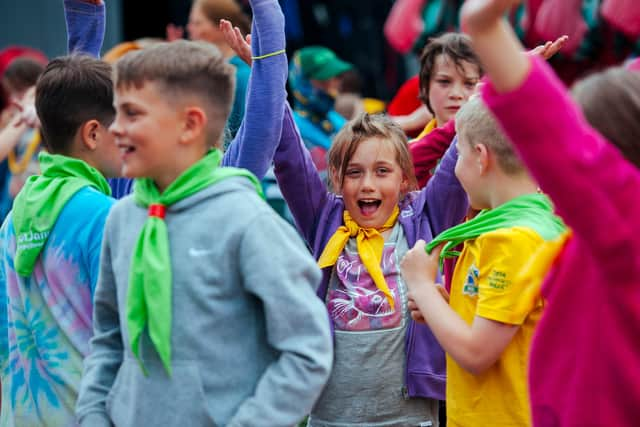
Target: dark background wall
<point>352,28</point>
<point>40,24</point>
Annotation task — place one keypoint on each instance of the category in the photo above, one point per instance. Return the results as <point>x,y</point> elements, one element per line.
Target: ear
<point>335,181</point>
<point>482,157</point>
<point>195,123</point>
<point>90,134</point>
<point>404,185</point>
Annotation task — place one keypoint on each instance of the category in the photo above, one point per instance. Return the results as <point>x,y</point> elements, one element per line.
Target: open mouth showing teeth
<point>125,149</point>
<point>368,206</point>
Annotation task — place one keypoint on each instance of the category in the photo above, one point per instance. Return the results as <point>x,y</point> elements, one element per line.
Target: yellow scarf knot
<point>370,244</point>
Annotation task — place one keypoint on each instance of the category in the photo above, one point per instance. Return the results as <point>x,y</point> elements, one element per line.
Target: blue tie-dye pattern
<point>46,318</point>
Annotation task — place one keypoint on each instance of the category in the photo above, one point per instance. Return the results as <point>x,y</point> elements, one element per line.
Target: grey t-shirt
<point>367,382</point>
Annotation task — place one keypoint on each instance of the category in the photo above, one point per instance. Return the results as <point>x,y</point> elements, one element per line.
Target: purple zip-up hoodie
<point>423,214</point>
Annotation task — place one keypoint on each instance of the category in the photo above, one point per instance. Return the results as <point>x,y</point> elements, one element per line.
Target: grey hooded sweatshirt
<point>251,342</point>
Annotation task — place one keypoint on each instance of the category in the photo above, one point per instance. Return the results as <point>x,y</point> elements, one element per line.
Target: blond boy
<point>486,328</point>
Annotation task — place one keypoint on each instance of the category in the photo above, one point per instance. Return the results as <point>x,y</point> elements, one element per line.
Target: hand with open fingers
<point>550,48</point>
<point>174,32</point>
<point>27,110</point>
<point>479,15</point>
<point>239,43</point>
<point>418,267</point>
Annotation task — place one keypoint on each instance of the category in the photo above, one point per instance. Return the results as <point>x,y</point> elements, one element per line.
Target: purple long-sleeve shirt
<point>584,366</point>
<point>423,214</point>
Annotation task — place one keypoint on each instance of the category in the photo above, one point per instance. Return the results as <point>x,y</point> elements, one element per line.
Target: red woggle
<point>157,211</point>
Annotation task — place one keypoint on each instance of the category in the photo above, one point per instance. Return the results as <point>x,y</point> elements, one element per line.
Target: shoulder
<point>518,238</point>
<point>87,204</point>
<point>507,248</point>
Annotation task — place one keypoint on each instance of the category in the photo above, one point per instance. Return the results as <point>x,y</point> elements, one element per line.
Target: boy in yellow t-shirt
<point>487,328</point>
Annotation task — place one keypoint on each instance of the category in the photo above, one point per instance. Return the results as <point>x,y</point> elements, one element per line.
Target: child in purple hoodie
<point>388,369</point>
<point>584,366</point>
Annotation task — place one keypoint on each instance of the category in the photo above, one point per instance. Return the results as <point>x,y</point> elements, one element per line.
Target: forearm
<point>85,22</point>
<point>445,201</point>
<point>298,179</point>
<point>259,134</point>
<point>454,335</point>
<point>495,43</point>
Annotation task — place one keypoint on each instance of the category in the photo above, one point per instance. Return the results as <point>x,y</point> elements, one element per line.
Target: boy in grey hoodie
<point>205,312</point>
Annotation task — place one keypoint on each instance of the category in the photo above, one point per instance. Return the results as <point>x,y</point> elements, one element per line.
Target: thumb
<point>420,244</point>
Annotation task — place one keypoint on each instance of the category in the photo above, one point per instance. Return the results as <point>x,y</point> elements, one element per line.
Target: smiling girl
<point>388,370</point>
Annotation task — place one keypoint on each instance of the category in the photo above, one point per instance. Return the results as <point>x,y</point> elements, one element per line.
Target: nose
<point>115,128</point>
<point>457,91</point>
<point>368,183</point>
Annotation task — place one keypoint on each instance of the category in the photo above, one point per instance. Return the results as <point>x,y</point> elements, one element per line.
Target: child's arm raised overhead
<point>587,178</point>
<point>85,26</point>
<point>259,134</point>
<point>443,200</point>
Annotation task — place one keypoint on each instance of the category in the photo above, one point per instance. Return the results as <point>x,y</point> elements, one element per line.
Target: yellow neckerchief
<point>534,271</point>
<point>427,129</point>
<point>370,244</point>
<point>21,166</point>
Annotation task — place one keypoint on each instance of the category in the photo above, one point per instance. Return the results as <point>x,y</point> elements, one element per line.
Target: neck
<point>169,174</point>
<point>510,187</point>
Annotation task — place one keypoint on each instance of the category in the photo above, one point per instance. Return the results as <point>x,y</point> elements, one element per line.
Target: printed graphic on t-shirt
<point>471,284</point>
<point>355,303</point>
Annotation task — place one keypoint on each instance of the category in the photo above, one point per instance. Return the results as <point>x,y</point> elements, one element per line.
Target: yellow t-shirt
<point>426,131</point>
<point>483,285</point>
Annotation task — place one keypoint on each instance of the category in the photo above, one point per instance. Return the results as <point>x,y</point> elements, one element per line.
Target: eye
<point>129,112</point>
<point>443,82</point>
<point>470,84</point>
<point>383,170</point>
<point>353,173</point>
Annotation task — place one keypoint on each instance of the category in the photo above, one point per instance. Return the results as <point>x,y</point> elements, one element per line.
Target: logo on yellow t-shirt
<point>471,284</point>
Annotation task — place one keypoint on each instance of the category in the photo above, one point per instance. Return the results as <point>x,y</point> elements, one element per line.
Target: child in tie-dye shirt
<point>50,242</point>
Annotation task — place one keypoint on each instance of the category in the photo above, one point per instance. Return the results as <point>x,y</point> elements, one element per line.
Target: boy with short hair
<point>219,328</point>
<point>487,329</point>
<point>51,244</point>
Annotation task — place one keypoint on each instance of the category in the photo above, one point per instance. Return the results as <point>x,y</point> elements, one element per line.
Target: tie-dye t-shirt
<point>45,319</point>
<point>366,386</point>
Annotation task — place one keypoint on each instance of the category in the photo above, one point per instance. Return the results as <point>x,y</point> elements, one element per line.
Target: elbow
<point>476,367</point>
<point>475,362</point>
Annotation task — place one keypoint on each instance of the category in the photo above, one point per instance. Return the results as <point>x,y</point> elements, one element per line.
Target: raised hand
<point>479,15</point>
<point>239,43</point>
<point>550,48</point>
<point>27,111</point>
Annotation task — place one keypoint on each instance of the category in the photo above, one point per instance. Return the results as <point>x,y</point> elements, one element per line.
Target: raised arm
<point>443,201</point>
<point>591,184</point>
<point>257,139</point>
<point>85,21</point>
<point>427,152</point>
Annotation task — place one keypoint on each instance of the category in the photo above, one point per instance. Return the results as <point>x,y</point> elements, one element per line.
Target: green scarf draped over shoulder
<point>38,205</point>
<point>150,279</point>
<point>534,211</point>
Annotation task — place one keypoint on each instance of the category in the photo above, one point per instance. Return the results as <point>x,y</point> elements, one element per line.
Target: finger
<point>435,253</point>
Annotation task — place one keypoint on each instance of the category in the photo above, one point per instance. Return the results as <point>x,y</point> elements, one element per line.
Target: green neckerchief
<point>39,203</point>
<point>149,294</point>
<point>534,211</point>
